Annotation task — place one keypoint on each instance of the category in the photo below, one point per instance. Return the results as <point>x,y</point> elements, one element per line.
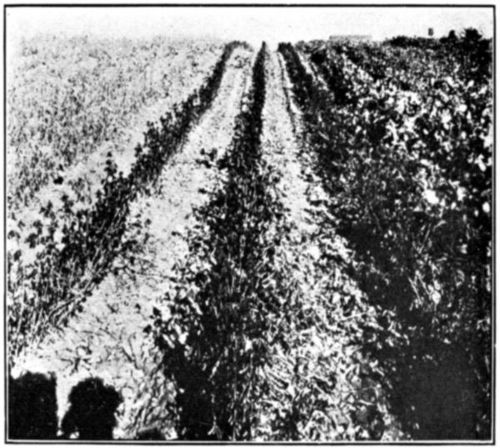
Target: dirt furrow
<point>106,339</point>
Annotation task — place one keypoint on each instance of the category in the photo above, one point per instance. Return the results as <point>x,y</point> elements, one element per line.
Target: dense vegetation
<point>407,160</point>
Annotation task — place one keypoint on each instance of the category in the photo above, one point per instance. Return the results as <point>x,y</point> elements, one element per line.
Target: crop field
<point>211,241</point>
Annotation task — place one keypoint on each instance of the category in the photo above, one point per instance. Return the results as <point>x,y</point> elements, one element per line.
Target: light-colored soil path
<point>323,352</point>
<point>106,339</point>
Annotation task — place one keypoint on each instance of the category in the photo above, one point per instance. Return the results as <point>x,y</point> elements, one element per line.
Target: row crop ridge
<point>78,249</point>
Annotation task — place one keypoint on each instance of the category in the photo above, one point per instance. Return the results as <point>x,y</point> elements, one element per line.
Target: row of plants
<point>66,97</point>
<point>324,388</point>
<point>421,237</point>
<point>220,316</point>
<point>73,248</point>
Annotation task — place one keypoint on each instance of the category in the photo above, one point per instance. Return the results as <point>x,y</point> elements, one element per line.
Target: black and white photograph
<point>259,222</point>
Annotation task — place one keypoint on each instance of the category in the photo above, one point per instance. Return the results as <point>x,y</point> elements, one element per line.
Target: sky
<point>251,24</point>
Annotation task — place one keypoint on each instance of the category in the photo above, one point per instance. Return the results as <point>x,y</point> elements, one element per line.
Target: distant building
<point>350,38</point>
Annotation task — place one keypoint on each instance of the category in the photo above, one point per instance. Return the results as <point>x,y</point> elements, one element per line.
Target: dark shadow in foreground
<point>91,415</point>
<point>32,407</point>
